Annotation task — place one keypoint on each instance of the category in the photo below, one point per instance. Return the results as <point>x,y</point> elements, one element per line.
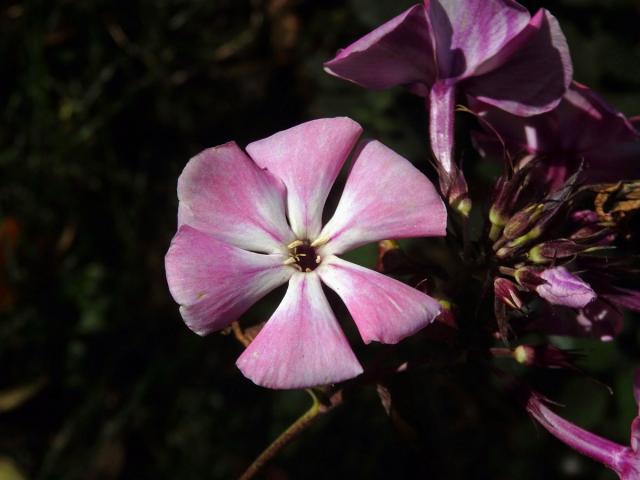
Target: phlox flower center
<point>303,255</point>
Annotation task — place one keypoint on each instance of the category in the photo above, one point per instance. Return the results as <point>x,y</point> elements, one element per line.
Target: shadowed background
<point>102,103</point>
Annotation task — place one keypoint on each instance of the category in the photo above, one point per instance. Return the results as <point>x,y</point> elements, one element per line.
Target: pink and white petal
<point>302,344</point>
<point>468,32</point>
<point>384,309</point>
<point>222,192</point>
<point>215,282</point>
<point>307,158</point>
<point>399,52</point>
<point>385,197</point>
<point>531,74</point>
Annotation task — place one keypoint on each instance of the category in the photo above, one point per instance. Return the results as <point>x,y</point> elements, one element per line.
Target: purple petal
<point>468,32</point>
<point>302,344</point>
<point>222,192</point>
<point>563,288</point>
<point>398,52</point>
<point>531,74</point>
<point>608,453</point>
<point>215,282</point>
<point>441,106</point>
<point>308,158</point>
<point>582,128</point>
<point>385,197</point>
<point>384,309</point>
<point>624,297</point>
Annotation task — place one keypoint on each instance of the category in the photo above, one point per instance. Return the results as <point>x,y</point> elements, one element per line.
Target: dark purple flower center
<point>305,256</point>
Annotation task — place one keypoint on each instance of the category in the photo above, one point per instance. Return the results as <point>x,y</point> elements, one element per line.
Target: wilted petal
<point>222,192</point>
<point>563,288</point>
<point>468,32</point>
<point>384,309</point>
<point>307,158</point>
<point>398,52</point>
<point>385,197</point>
<point>302,344</point>
<point>215,282</point>
<point>531,74</point>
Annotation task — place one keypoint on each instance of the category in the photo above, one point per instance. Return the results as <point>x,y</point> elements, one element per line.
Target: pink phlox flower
<point>250,223</point>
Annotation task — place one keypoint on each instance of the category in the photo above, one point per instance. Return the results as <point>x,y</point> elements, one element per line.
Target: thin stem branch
<point>287,436</point>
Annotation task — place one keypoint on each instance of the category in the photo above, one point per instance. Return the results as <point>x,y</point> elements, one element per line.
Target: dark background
<point>101,105</point>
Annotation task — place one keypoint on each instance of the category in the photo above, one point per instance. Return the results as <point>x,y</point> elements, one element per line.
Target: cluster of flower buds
<point>568,247</point>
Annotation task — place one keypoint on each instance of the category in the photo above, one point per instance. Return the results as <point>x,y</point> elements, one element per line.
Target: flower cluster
<point>559,243</point>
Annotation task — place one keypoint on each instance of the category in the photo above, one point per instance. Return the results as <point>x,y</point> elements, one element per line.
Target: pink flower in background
<point>583,128</point>
<point>248,224</point>
<point>490,50</point>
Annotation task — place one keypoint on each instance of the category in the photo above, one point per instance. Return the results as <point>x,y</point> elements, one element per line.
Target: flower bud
<point>522,221</point>
<point>507,292</point>
<point>546,356</point>
<point>548,252</point>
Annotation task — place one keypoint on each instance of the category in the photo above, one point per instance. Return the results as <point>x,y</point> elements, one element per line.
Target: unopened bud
<point>522,221</point>
<point>546,356</point>
<point>529,277</point>
<point>552,250</point>
<point>507,292</point>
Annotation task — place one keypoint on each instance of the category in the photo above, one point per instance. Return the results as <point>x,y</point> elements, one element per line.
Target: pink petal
<point>563,288</point>
<point>302,344</point>
<point>441,106</point>
<point>384,309</point>
<point>307,158</point>
<point>398,52</point>
<point>222,192</point>
<point>593,446</point>
<point>385,197</point>
<point>468,32</point>
<point>215,282</point>
<point>531,74</point>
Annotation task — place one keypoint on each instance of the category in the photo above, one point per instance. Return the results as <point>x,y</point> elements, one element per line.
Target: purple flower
<point>563,288</point>
<point>625,461</point>
<point>248,224</point>
<point>583,128</point>
<point>491,50</point>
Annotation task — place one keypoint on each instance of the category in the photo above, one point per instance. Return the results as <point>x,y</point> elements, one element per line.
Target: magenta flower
<point>248,224</point>
<point>491,50</point>
<point>625,461</point>
<point>583,128</point>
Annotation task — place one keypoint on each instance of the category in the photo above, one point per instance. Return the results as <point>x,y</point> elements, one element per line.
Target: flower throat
<point>303,256</point>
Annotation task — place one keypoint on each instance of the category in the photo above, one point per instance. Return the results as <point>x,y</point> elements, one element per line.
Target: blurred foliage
<point>102,103</point>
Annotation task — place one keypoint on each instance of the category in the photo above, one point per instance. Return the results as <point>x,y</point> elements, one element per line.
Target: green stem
<point>285,437</point>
